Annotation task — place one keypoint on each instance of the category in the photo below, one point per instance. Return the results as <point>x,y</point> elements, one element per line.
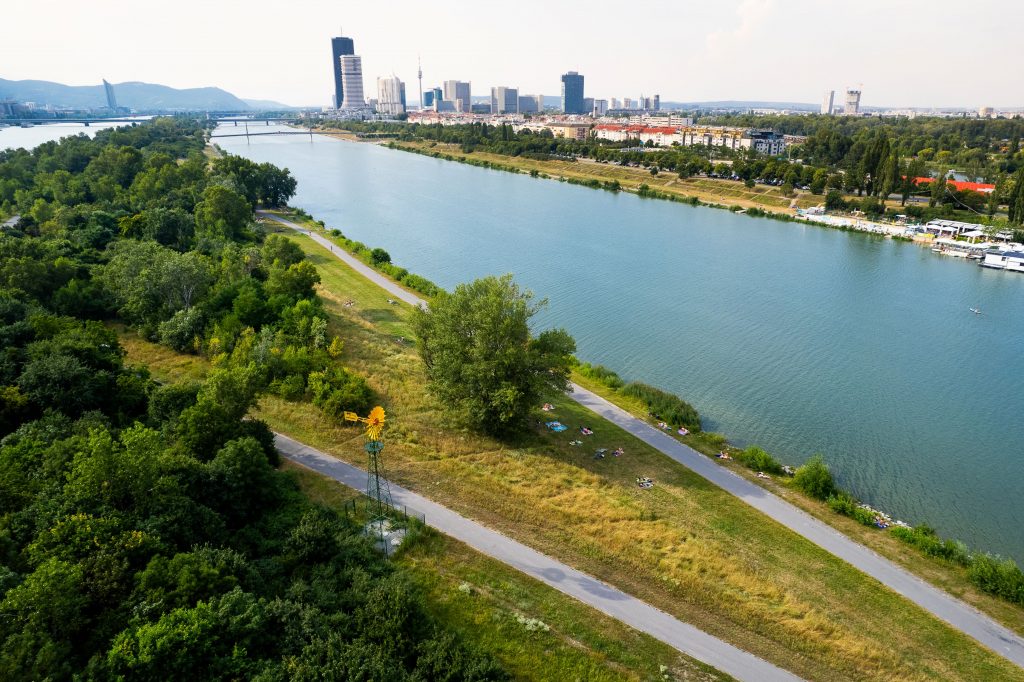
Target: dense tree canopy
<point>145,532</point>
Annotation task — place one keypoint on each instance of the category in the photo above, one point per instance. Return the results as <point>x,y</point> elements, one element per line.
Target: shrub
<point>757,459</point>
<point>291,387</point>
<point>834,200</point>
<point>815,479</point>
<point>182,330</point>
<point>420,284</point>
<point>998,576</point>
<point>669,407</point>
<point>336,390</point>
<point>379,256</point>
<point>715,440</point>
<point>925,539</point>
<point>842,503</point>
<point>601,373</point>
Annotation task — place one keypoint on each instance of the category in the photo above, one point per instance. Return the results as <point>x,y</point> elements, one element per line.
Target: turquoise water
<point>797,338</point>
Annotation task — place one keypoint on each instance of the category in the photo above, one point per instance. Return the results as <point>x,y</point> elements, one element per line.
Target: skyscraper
<point>572,94</point>
<point>340,47</point>
<point>390,96</point>
<point>458,93</point>
<point>829,102</point>
<point>352,82</point>
<point>504,100</point>
<point>109,90</point>
<point>852,106</point>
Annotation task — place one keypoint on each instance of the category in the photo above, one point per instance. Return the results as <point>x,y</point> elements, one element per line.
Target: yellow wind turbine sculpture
<point>378,492</point>
<point>374,422</point>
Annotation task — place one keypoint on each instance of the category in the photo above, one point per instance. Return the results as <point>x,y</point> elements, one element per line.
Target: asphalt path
<point>956,613</point>
<point>605,598</point>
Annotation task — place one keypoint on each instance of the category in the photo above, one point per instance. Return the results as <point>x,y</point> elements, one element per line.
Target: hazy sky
<point>904,52</point>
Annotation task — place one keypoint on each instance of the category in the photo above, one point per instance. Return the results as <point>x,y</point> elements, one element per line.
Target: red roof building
<point>960,186</point>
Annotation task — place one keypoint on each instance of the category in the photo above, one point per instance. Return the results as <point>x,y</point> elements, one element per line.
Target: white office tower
<point>390,96</point>
<point>613,103</point>
<point>504,100</point>
<point>352,82</point>
<point>600,107</point>
<point>828,104</point>
<point>852,107</point>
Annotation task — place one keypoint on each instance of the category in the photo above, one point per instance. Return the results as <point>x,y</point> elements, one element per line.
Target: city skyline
<point>740,38</point>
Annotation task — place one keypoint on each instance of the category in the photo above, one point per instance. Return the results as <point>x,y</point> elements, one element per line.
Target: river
<point>797,338</point>
<point>13,137</point>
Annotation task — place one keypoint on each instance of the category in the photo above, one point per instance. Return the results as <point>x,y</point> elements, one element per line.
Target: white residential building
<point>390,96</point>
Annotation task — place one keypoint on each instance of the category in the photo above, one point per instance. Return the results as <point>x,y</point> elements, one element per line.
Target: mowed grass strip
<point>535,631</point>
<point>685,546</point>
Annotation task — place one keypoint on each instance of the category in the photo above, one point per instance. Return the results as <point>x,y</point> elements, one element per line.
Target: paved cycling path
<point>350,260</point>
<point>605,598</point>
<point>956,613</point>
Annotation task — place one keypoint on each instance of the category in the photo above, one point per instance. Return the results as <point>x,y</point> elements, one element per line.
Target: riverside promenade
<point>956,613</point>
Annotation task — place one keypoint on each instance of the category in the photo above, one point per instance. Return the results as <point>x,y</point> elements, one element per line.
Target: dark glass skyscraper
<point>340,46</point>
<point>572,94</point>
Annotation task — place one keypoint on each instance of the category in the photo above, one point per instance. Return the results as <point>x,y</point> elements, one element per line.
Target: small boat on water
<point>976,311</point>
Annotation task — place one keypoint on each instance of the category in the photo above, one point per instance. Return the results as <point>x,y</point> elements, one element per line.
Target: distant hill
<point>267,105</point>
<point>741,105</point>
<point>134,95</point>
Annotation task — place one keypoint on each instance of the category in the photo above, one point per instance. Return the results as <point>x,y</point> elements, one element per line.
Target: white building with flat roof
<point>852,106</point>
<point>459,94</point>
<point>504,100</point>
<point>390,96</point>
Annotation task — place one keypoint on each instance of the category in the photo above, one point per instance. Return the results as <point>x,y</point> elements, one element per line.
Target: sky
<point>923,53</point>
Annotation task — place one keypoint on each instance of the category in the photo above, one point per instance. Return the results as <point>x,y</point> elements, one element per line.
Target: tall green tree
<point>481,356</point>
<point>938,190</point>
<point>1015,200</point>
<point>223,213</point>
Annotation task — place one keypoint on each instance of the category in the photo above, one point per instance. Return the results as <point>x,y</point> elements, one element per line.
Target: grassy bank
<point>710,191</point>
<point>951,576</point>
<point>535,631</point>
<point>685,546</point>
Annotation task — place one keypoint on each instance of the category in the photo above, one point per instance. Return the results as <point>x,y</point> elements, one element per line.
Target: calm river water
<point>796,338</point>
<point>13,137</point>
